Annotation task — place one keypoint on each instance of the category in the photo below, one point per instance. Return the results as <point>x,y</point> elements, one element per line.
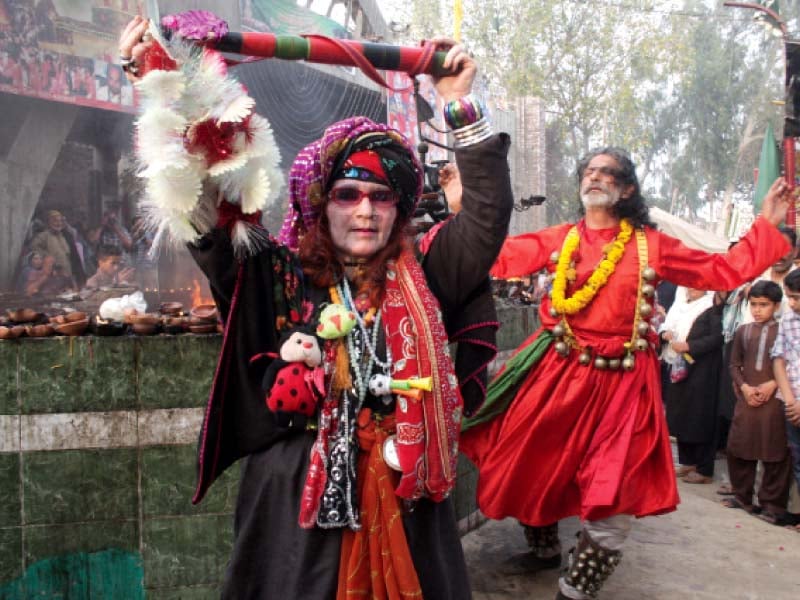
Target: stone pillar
<point>528,166</point>
<point>24,172</point>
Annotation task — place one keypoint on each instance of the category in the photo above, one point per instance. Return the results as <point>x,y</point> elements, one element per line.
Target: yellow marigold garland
<point>583,297</point>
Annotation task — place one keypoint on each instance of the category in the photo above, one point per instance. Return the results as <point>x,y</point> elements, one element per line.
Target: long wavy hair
<point>634,207</point>
<point>323,266</point>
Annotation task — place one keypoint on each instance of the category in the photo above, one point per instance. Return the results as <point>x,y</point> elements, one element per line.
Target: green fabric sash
<point>503,388</point>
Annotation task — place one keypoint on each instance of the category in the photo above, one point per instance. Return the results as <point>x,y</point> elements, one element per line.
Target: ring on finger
<point>131,67</point>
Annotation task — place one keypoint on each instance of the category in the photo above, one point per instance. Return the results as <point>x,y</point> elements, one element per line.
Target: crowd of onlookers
<point>59,257</point>
<point>731,385</point>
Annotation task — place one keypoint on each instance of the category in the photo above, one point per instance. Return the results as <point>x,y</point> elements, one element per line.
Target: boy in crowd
<point>758,431</point>
<point>786,364</point>
<point>109,269</point>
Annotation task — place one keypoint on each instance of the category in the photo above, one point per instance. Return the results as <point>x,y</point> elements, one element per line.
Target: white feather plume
<point>247,239</point>
<point>160,137</point>
<point>162,87</point>
<point>177,189</point>
<point>180,197</point>
<point>237,110</point>
<point>262,139</point>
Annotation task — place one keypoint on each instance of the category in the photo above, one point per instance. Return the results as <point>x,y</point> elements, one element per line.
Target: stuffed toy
<point>294,381</point>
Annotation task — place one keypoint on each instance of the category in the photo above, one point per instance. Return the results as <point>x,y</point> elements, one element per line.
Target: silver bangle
<point>473,134</point>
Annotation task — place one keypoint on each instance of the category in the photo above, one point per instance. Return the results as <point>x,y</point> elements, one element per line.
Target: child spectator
<point>43,276</point>
<point>786,364</point>
<point>109,269</point>
<point>757,430</point>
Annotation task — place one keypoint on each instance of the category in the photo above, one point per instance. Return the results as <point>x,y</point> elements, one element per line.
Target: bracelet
<point>473,134</point>
<point>462,112</point>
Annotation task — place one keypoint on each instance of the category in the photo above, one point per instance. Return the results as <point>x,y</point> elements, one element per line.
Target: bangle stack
<point>466,117</point>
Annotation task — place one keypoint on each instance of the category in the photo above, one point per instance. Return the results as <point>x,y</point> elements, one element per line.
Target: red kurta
<point>580,441</point>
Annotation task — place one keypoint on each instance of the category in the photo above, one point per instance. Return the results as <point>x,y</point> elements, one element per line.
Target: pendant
<point>390,453</point>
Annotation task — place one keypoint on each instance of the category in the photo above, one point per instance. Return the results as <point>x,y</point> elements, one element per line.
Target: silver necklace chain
<point>344,292</point>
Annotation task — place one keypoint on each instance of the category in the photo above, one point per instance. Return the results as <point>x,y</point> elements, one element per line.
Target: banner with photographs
<point>66,51</point>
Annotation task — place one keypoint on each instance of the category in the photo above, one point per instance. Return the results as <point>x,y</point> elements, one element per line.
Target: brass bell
<point>643,328</point>
<point>613,363</point>
<point>553,312</point>
<point>645,309</point>
<point>559,330</point>
<point>642,344</point>
<point>554,256</point>
<point>600,363</point>
<point>584,358</point>
<point>648,290</point>
<point>649,273</point>
<point>562,348</point>
<point>628,363</point>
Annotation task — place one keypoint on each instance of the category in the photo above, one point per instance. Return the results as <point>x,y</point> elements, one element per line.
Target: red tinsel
<point>156,58</point>
<point>215,140</point>
<point>229,214</point>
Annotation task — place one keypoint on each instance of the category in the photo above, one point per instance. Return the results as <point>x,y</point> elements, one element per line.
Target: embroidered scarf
<point>427,429</point>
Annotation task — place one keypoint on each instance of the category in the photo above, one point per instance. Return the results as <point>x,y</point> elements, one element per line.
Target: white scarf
<point>681,317</point>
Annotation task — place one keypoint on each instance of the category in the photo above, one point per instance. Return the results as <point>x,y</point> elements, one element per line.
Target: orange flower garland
<point>584,296</point>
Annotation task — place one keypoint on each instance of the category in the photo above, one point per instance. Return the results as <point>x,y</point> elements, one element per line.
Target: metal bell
<point>649,273</point>
<point>643,328</point>
<point>559,330</point>
<point>584,358</point>
<point>600,363</point>
<point>642,344</point>
<point>553,312</point>
<point>613,363</point>
<point>645,309</point>
<point>554,256</point>
<point>562,348</point>
<point>648,290</point>
<point>628,363</point>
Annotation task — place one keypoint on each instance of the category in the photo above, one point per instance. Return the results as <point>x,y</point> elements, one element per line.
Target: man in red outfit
<point>574,424</point>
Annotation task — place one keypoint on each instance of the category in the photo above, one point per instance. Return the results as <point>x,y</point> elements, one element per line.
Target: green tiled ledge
<point>130,493</point>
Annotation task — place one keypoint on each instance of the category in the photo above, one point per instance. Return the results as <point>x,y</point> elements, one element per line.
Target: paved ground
<point>702,551</point>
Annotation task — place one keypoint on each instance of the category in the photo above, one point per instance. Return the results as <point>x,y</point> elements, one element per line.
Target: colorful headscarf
<point>318,164</point>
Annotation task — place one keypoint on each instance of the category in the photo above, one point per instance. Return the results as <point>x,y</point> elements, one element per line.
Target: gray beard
<point>598,200</point>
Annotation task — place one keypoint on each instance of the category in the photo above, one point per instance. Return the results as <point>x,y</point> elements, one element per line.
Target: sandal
<point>774,519</point>
<point>725,490</point>
<point>684,470</point>
<point>695,477</point>
<point>733,502</point>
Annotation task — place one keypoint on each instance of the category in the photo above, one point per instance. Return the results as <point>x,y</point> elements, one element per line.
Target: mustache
<point>595,186</point>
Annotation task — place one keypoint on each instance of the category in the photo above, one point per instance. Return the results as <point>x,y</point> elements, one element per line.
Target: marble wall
<point>97,466</point>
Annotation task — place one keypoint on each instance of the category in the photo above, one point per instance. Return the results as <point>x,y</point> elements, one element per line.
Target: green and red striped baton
<point>204,28</point>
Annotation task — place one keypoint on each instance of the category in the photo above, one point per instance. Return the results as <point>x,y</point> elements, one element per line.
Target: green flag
<point>771,4</point>
<point>768,167</point>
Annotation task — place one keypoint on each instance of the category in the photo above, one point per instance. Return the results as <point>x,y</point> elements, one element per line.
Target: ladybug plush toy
<point>294,380</point>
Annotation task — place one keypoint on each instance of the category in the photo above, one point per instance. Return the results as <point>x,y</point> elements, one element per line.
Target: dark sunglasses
<point>352,195</point>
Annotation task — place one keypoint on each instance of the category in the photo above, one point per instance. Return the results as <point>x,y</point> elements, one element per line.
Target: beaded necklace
<point>363,369</point>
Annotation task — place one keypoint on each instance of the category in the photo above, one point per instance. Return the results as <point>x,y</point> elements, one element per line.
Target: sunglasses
<point>351,195</point>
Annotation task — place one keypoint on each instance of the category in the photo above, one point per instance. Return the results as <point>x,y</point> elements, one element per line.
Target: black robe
<point>692,403</point>
<point>272,556</point>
